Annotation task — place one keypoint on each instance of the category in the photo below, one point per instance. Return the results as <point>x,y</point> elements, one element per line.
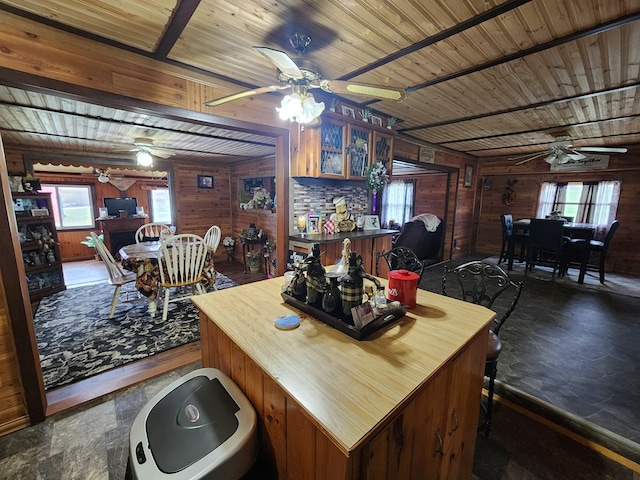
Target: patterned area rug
<point>77,339</point>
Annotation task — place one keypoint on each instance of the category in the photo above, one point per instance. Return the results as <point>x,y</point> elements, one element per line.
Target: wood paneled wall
<point>459,207</point>
<point>624,257</point>
<point>264,219</point>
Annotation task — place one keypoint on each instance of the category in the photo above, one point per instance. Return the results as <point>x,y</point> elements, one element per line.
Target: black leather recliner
<point>426,245</point>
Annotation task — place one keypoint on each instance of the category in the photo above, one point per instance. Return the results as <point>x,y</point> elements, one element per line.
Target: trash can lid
<point>190,422</point>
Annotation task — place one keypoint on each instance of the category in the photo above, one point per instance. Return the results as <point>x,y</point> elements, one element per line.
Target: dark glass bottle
<point>316,281</point>
<point>352,286</point>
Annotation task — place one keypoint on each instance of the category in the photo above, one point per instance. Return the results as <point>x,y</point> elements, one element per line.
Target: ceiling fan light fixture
<point>300,107</point>
<point>103,177</point>
<point>144,158</point>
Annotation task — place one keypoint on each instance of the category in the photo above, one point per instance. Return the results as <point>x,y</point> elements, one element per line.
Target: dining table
<point>142,258</point>
<point>573,230</point>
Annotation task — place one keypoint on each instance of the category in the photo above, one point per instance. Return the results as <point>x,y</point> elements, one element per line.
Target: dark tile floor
<point>570,353</point>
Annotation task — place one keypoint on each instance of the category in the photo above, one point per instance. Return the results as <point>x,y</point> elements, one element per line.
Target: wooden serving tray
<point>378,323</point>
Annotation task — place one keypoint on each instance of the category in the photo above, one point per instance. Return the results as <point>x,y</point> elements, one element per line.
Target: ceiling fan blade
<point>602,149</point>
<point>354,88</point>
<point>246,93</point>
<point>162,153</point>
<point>528,157</point>
<point>282,61</point>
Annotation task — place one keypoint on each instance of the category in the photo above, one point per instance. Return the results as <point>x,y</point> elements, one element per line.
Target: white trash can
<point>199,427</point>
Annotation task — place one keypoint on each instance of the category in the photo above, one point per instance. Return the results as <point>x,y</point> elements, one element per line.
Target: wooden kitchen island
<point>401,404</point>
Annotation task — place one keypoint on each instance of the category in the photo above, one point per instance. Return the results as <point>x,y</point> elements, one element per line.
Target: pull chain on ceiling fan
<point>302,75</point>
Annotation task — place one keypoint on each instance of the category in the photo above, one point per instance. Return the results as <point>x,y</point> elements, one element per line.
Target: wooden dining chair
<point>181,261</point>
<point>150,232</point>
<point>546,244</point>
<point>486,284</point>
<point>117,276</point>
<point>212,238</point>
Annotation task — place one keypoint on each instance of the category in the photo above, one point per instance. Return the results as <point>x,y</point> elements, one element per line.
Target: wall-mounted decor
<point>205,181</point>
<point>486,184</point>
<point>376,120</point>
<point>468,176</point>
<point>427,155</point>
<point>348,111</point>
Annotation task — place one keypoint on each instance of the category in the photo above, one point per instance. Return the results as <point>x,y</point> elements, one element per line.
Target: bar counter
<point>339,237</point>
<point>400,403</point>
<point>367,243</point>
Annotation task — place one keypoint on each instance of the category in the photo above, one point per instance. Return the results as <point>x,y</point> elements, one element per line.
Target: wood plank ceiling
<point>483,77</point>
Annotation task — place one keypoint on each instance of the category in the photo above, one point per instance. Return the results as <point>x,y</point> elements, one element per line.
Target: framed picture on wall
<point>468,175</point>
<point>205,181</point>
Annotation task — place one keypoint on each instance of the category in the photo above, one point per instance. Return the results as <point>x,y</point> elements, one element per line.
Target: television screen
<point>114,205</point>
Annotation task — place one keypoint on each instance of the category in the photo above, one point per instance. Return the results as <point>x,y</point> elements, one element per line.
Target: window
<point>397,202</point>
<point>73,206</point>
<point>160,206</point>
<point>594,202</point>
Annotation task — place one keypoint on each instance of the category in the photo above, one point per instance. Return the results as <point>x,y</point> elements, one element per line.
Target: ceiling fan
<point>562,151</point>
<point>103,175</point>
<point>301,75</point>
<point>145,151</point>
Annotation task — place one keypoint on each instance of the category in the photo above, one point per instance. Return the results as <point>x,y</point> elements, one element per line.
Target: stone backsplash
<point>316,196</point>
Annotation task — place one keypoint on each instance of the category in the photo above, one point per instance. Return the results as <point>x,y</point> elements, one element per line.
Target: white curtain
<point>606,202</point>
<point>547,199</point>
<point>397,202</point>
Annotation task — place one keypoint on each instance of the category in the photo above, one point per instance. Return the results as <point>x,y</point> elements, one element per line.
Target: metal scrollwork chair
<point>401,258</point>
<point>488,285</point>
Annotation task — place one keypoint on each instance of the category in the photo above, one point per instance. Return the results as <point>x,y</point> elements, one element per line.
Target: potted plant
<point>229,244</point>
<point>365,114</point>
<point>88,241</point>
<point>253,260</point>
<point>391,121</point>
<point>333,104</point>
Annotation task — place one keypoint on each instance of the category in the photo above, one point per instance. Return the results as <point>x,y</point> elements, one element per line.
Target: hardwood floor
<point>83,391</point>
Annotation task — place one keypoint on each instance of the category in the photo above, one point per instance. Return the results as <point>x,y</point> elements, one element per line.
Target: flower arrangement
<point>261,199</point>
<point>229,242</point>
<point>377,177</point>
<point>253,257</point>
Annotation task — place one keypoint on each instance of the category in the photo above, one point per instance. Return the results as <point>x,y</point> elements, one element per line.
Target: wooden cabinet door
<point>331,157</point>
<point>465,387</point>
<point>383,149</point>
<point>358,151</point>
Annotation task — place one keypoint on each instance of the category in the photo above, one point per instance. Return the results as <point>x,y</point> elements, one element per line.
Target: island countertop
<point>347,388</point>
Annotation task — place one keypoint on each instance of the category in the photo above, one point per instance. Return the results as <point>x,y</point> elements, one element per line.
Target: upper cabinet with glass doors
<point>341,148</point>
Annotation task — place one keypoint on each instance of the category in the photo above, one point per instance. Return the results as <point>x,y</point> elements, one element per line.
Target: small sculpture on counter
<point>342,219</point>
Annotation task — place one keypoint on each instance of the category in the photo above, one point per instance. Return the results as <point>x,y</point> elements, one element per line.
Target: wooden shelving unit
<point>39,243</point>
